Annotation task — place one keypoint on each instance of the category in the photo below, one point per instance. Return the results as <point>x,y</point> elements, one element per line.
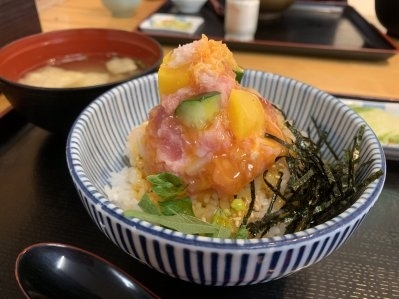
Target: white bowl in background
<point>189,6</point>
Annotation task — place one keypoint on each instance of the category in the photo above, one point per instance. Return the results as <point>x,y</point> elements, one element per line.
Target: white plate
<point>391,150</point>
<point>162,22</point>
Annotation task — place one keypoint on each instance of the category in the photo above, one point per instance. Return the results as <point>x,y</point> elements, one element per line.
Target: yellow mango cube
<point>171,79</point>
<point>245,113</point>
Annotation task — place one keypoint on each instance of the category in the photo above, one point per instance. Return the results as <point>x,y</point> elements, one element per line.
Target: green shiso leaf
<point>177,206</point>
<point>180,222</point>
<point>148,206</point>
<point>166,185</point>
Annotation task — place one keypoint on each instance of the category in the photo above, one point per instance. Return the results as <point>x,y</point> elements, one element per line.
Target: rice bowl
<point>95,149</point>
<point>215,158</point>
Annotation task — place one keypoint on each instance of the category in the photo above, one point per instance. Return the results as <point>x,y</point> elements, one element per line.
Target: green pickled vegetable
<point>197,112</point>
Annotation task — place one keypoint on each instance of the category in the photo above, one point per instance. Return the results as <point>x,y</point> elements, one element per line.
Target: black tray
<point>318,29</point>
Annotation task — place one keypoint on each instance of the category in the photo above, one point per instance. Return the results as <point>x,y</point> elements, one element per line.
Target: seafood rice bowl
<point>223,176</point>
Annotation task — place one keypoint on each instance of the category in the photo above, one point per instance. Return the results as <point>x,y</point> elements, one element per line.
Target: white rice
<point>126,188</point>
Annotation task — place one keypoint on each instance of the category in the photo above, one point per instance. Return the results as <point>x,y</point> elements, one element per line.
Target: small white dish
<point>162,22</point>
<point>391,150</point>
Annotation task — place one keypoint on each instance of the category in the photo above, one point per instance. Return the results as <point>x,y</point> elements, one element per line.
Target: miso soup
<point>83,70</point>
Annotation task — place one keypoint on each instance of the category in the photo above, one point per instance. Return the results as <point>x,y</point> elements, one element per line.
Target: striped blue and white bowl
<point>95,148</point>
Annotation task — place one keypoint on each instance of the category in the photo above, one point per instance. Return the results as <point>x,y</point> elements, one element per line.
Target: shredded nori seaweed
<point>317,190</point>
